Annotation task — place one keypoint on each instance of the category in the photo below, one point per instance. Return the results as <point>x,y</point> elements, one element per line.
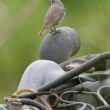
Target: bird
<point>54,15</point>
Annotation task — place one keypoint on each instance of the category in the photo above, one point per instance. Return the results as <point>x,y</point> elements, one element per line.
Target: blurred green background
<point>20,21</point>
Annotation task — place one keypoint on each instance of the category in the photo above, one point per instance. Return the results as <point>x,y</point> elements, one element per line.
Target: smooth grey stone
<point>40,73</point>
<point>58,46</point>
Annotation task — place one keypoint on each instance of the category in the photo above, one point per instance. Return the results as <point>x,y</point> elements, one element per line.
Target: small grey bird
<point>53,16</point>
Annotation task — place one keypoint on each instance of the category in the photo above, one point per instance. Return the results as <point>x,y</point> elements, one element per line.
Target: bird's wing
<point>52,16</point>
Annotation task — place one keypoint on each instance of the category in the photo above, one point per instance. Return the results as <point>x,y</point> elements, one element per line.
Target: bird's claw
<point>55,32</point>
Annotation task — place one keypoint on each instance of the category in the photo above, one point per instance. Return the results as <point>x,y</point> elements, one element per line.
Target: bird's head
<point>53,1</point>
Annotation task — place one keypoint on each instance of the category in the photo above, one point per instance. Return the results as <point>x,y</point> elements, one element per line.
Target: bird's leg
<point>54,28</point>
<point>58,30</point>
<point>51,29</point>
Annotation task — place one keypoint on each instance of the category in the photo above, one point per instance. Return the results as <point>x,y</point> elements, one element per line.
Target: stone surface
<point>39,73</point>
<point>60,45</point>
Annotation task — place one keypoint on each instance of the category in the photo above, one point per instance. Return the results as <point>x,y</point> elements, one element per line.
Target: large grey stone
<point>60,45</point>
<point>39,73</point>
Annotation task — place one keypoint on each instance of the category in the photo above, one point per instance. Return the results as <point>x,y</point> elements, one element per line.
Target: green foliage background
<point>20,21</point>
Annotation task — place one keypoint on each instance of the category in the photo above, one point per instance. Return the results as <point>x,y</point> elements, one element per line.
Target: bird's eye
<point>52,1</point>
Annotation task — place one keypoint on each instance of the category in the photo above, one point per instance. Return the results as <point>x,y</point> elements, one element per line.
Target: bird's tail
<point>42,31</point>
